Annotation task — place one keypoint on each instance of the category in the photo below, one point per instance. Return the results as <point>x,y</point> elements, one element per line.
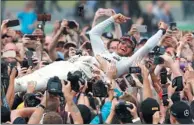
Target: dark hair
<point>60,44</point>
<point>109,43</point>
<point>52,118</point>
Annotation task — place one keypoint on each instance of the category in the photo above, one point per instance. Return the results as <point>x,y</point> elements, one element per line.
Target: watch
<point>42,106</point>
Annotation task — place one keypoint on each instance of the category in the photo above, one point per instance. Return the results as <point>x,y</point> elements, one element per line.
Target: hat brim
<point>67,45</point>
<point>185,120</point>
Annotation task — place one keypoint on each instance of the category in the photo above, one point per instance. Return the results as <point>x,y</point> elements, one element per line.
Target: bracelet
<point>135,120</point>
<point>42,106</point>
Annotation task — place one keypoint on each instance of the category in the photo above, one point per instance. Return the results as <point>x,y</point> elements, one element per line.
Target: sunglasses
<point>126,43</point>
<point>5,36</point>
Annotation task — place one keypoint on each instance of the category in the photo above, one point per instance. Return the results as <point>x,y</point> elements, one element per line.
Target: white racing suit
<point>84,64</point>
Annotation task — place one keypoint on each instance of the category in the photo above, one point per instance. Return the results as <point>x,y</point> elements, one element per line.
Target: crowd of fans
<point>86,75</point>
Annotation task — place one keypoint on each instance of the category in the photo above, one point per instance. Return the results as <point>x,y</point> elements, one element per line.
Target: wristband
<point>82,93</point>
<point>135,120</point>
<point>42,106</point>
<point>163,31</point>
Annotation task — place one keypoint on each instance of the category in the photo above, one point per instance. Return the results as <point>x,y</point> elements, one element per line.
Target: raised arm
<point>95,36</point>
<point>123,65</point>
<point>52,52</point>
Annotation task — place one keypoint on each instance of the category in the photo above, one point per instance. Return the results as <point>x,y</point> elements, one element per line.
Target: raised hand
<point>119,18</point>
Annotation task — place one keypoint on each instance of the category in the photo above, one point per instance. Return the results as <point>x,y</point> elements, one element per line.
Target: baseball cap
<point>129,39</point>
<point>182,112</point>
<point>148,107</point>
<point>192,107</point>
<point>69,44</point>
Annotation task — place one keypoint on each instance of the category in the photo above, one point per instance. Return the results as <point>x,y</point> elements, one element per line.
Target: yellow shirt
<point>20,105</point>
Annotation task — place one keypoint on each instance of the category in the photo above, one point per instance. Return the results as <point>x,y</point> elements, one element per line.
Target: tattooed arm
<point>72,108</point>
<point>38,113</point>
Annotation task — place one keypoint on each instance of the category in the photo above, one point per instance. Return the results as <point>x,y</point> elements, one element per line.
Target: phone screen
<point>72,24</point>
<point>173,26</point>
<point>122,84</point>
<point>130,80</point>
<point>141,28</point>
<point>134,70</point>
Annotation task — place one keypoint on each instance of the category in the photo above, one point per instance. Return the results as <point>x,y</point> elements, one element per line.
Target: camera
<point>44,17</point>
<point>75,78</point>
<point>163,76</point>
<point>178,81</point>
<point>99,89</point>
<point>121,111</point>
<point>156,52</point>
<point>54,86</point>
<point>30,100</point>
<point>165,97</point>
<point>172,26</point>
<point>158,60</point>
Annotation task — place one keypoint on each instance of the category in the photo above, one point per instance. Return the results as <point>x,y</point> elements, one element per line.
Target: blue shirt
<point>27,19</point>
<point>60,55</point>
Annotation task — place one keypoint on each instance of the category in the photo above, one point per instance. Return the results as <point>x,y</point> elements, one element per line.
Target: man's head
<point>148,107</point>
<point>28,6</point>
<point>70,48</point>
<point>60,46</point>
<point>126,46</point>
<point>112,45</point>
<point>180,112</point>
<point>48,40</point>
<point>142,42</point>
<point>52,118</point>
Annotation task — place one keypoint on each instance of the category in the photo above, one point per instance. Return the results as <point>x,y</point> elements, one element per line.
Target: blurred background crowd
<point>142,12</point>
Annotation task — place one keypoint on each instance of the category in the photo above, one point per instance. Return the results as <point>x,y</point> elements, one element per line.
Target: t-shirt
<point>27,19</point>
<point>60,55</point>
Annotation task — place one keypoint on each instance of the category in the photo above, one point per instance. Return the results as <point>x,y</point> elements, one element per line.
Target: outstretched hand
<point>119,18</point>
